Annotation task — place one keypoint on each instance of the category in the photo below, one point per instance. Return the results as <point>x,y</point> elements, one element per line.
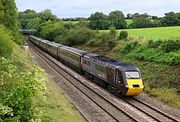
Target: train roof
<point>39,39</point>
<point>108,62</point>
<point>55,44</point>
<point>74,50</point>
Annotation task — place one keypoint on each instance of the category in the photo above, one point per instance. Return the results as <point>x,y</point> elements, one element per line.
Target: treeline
<point>116,19</point>
<point>101,21</point>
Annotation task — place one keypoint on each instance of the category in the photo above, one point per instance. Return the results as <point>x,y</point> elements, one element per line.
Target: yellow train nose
<point>135,87</point>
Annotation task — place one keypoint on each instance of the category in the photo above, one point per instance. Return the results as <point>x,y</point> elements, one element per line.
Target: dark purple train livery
<point>123,78</point>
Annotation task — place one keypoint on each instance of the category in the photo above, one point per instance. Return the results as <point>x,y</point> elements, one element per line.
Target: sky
<point>84,8</point>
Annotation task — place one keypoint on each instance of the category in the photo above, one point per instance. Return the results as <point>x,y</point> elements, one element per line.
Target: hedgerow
<point>19,92</point>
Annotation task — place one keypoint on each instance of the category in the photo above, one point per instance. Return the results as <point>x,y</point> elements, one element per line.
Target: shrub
<point>94,42</point>
<point>78,36</point>
<point>18,38</point>
<point>6,42</point>
<point>105,37</point>
<point>145,53</point>
<point>19,91</point>
<point>123,35</point>
<point>171,45</point>
<point>154,44</point>
<point>129,47</point>
<point>111,44</point>
<point>113,32</point>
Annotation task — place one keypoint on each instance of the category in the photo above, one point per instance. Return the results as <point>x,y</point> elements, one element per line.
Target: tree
<point>9,16</point>
<point>129,16</point>
<point>171,19</point>
<point>117,19</point>
<point>33,23</point>
<point>99,21</point>
<point>145,15</point>
<point>47,15</point>
<point>136,15</point>
<point>141,22</point>
<point>27,17</point>
<point>154,17</point>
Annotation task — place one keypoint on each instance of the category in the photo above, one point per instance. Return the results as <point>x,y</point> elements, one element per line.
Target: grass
<point>71,22</point>
<point>56,107</point>
<point>154,33</point>
<point>128,21</point>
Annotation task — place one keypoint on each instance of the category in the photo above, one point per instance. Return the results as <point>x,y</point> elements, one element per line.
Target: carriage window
<point>132,75</point>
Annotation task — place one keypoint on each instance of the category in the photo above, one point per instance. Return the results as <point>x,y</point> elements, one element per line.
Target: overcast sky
<point>84,8</point>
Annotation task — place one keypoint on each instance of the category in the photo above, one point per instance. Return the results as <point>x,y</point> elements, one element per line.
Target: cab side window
<point>119,78</point>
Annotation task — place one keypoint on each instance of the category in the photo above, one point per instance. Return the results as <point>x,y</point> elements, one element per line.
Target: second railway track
<point>151,111</point>
<point>112,106</point>
<point>108,107</point>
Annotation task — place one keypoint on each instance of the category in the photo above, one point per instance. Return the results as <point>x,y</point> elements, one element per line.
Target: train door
<point>118,78</point>
<point>110,75</point>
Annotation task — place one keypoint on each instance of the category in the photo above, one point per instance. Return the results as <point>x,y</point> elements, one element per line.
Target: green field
<point>129,21</point>
<point>154,33</point>
<point>71,22</point>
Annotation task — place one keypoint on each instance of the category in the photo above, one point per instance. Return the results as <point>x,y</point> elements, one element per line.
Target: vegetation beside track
<point>24,92</point>
<point>154,50</point>
<point>58,107</point>
<point>157,59</point>
<point>161,80</point>
<point>36,98</point>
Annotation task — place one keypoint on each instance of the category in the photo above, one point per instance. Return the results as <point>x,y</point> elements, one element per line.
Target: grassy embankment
<point>161,79</point>
<point>55,107</point>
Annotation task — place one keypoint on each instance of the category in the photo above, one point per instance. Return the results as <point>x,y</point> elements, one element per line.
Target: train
<point>119,77</point>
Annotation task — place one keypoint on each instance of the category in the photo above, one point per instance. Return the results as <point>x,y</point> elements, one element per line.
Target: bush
<point>19,91</point>
<point>123,35</point>
<point>6,42</point>
<point>104,39</point>
<point>18,38</point>
<point>111,44</point>
<point>78,36</point>
<point>154,44</point>
<point>129,47</point>
<point>171,46</point>
<point>145,53</point>
<point>94,43</point>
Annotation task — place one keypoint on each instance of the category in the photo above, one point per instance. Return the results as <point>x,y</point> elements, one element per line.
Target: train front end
<point>133,83</point>
<point>130,80</point>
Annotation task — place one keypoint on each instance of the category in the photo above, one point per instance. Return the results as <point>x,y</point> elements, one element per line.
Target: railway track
<point>108,105</point>
<point>149,110</point>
